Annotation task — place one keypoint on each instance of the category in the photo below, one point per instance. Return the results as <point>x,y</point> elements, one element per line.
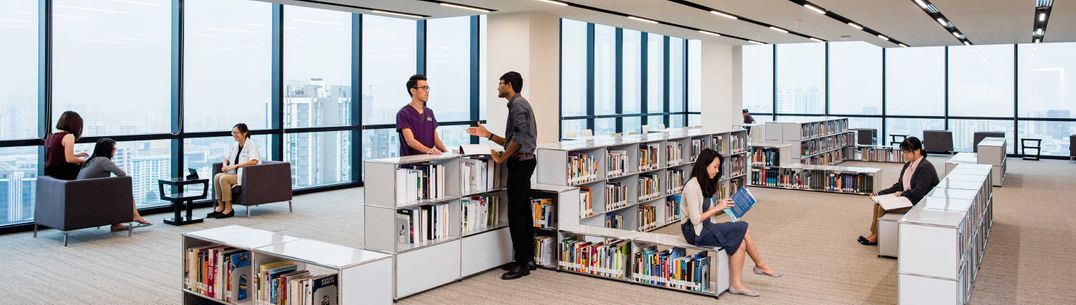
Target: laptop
<point>193,174</point>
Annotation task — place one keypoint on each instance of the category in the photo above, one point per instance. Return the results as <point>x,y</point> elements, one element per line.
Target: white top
<point>691,204</point>
<point>250,152</point>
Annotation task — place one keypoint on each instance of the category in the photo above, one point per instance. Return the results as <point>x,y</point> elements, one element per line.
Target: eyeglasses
<point>427,88</point>
<point>235,132</point>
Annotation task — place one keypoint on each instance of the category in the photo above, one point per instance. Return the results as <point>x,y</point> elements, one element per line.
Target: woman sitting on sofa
<point>100,166</point>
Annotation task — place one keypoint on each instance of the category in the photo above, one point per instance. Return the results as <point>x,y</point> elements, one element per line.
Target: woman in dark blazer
<point>917,178</point>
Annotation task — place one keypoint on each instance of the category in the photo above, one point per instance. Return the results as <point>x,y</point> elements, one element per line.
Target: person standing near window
<point>416,124</point>
<point>61,161</point>
<point>747,118</point>
<point>519,142</point>
<point>244,153</point>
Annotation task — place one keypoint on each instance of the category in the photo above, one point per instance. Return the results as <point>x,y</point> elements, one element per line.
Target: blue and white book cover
<point>742,202</point>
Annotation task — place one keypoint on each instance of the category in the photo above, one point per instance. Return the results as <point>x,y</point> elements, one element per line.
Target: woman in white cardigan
<point>244,153</point>
<point>733,237</point>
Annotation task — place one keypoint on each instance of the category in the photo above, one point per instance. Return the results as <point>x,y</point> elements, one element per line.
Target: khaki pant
<point>879,212</point>
<point>222,183</point>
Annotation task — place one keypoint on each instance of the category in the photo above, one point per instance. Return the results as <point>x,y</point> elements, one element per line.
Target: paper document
<point>476,149</point>
<point>892,201</point>
<point>742,202</point>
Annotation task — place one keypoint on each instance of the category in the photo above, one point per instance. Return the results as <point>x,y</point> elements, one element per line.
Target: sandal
<point>143,224</point>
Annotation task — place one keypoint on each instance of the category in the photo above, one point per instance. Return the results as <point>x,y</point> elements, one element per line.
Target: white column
<point>721,85</point>
<point>528,43</point>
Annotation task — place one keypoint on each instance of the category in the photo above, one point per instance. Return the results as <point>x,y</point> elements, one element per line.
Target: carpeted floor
<point>810,236</point>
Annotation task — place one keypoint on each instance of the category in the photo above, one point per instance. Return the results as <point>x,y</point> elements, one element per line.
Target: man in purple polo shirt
<point>416,124</point>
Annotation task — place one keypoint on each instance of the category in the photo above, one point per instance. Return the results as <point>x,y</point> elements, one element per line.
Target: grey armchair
<point>267,182</point>
<point>978,136</point>
<point>938,141</point>
<point>68,205</point>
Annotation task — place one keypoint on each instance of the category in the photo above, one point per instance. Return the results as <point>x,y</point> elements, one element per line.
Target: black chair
<point>1072,147</point>
<point>1029,144</point>
<point>893,138</point>
<point>938,141</point>
<point>866,136</point>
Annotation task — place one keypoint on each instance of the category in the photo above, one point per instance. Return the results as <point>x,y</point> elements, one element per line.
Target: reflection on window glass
<point>855,78</point>
<point>694,76</point>
<point>379,143</point>
<point>1054,135</point>
<point>18,180</point>
<point>388,60</point>
<point>112,59</point>
<point>872,123</point>
<point>201,153</point>
<point>694,120</point>
<point>318,158</point>
<point>317,67</point>
<point>677,121</point>
<point>655,74</point>
<point>448,66</point>
<point>655,120</point>
<point>146,162</point>
<point>801,78</point>
<point>676,74</point>
<point>1045,78</point>
<point>227,55</point>
<point>18,61</point>
<point>604,69</point>
<point>632,124</point>
<point>604,126</point>
<point>915,81</point>
<point>911,128</point>
<point>964,132</point>
<point>454,136</point>
<point>573,64</point>
<point>981,81</point>
<point>572,128</point>
<point>758,78</point>
<point>632,68</point>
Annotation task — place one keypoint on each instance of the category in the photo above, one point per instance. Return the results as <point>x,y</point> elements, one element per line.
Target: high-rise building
<point>322,157</point>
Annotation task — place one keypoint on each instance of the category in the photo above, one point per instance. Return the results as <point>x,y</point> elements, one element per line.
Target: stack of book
<point>479,175</point>
<point>582,168</point>
<point>607,259</point>
<point>616,196</point>
<point>586,202</point>
<point>543,251</point>
<point>696,148</point>
<point>419,182</point>
<point>720,144</point>
<point>218,272</point>
<point>480,213</point>
<point>675,153</point>
<point>423,224</point>
<point>649,187</point>
<point>616,163</point>
<point>765,156</point>
<point>648,157</point>
<point>672,268</point>
<point>614,221</point>
<point>647,217</point>
<point>675,180</point>
<point>543,211</point>
<point>285,282</point>
<point>738,143</point>
<point>672,209</point>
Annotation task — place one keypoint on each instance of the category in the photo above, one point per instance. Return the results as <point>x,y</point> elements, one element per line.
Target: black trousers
<point>520,220</point>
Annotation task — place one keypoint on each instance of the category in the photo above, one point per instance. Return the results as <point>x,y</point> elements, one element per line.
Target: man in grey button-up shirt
<point>519,143</point>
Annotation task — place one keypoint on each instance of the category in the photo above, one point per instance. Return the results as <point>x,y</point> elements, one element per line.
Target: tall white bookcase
<point>420,266</point>
<point>823,141</point>
<point>943,238</point>
<point>360,273</point>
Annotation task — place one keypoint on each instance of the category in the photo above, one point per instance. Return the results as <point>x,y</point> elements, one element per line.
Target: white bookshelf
<point>561,196</point>
<point>961,158</point>
<point>823,141</point>
<point>943,238</point>
<point>818,178</point>
<point>718,277</point>
<point>878,153</point>
<point>360,273</point>
<point>992,151</point>
<point>423,265</point>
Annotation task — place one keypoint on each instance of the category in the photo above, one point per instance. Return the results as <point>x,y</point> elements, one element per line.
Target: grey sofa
<point>938,141</point>
<point>978,136</point>
<point>68,205</point>
<point>267,182</point>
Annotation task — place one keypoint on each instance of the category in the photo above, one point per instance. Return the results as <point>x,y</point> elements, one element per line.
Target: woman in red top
<point>61,161</point>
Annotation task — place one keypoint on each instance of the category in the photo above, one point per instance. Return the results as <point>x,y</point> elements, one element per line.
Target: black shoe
<point>509,266</point>
<point>532,266</point>
<point>864,241</point>
<point>223,215</point>
<point>213,215</point>
<point>518,272</point>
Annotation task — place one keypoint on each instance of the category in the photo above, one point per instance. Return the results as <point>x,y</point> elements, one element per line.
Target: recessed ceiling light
<point>396,14</point>
<point>642,19</point>
<point>724,15</point>
<point>817,40</point>
<point>554,2</point>
<point>942,22</point>
<point>1038,40</point>
<point>481,10</point>
<point>854,25</point>
<point>1038,31</point>
<point>958,35</point>
<point>921,4</point>
<point>814,8</point>
<point>883,37</point>
<point>709,33</point>
<point>779,29</point>
<point>1042,16</point>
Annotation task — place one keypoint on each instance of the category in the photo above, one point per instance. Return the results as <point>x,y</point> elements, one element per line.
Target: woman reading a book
<point>733,237</point>
<point>917,178</point>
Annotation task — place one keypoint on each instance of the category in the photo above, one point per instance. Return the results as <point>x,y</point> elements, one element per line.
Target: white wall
<point>721,85</point>
<point>528,43</point>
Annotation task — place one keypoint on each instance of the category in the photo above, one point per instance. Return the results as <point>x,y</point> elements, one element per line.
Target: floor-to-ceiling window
<point>18,109</point>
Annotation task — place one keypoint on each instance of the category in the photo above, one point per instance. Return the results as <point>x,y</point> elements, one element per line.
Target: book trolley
<point>944,237</point>
<point>358,276</point>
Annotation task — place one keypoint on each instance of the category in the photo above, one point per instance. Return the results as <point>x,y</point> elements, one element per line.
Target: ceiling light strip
<point>732,16</point>
<point>363,8</point>
<point>835,16</point>
<point>945,23</point>
<point>653,21</point>
<point>465,7</point>
<point>1038,23</point>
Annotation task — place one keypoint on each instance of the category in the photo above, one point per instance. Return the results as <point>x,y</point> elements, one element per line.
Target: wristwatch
<point>490,137</point>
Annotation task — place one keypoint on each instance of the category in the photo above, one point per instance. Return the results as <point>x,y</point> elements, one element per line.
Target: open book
<point>892,201</point>
<point>742,202</point>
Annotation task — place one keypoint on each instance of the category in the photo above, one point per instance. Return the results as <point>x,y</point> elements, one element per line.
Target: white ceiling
<point>983,21</point>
